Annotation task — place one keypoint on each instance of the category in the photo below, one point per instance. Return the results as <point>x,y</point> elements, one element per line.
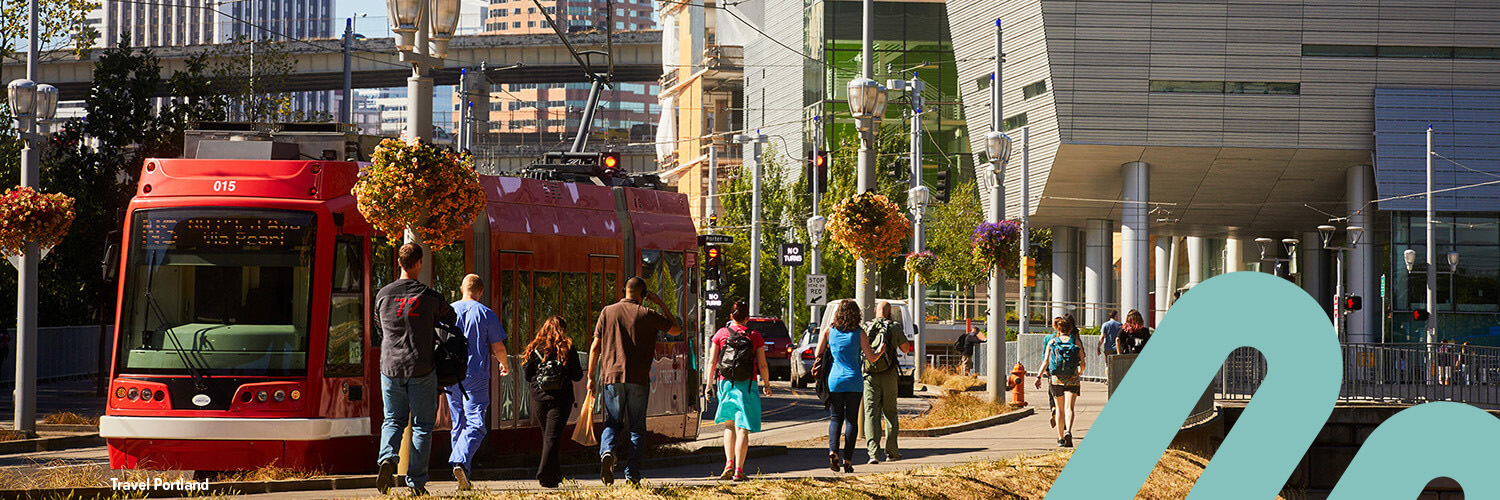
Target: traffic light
<point>1420,315</point>
<point>1353,302</point>
<point>713,219</point>
<point>610,161</point>
<point>711,262</point>
<point>1028,274</point>
<point>894,168</point>
<point>817,171</point>
<point>941,186</point>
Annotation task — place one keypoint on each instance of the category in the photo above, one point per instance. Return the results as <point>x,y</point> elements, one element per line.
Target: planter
<point>1003,418</point>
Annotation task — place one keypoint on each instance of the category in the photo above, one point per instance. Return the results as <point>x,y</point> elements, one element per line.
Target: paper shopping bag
<point>583,432</point>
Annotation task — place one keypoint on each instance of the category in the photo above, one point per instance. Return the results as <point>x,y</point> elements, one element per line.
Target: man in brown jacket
<point>625,340</point>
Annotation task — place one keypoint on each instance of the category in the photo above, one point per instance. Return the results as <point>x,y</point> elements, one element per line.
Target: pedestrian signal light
<point>1420,315</point>
<point>1353,302</point>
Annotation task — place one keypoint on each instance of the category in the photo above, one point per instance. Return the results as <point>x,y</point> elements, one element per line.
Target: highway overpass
<point>320,63</point>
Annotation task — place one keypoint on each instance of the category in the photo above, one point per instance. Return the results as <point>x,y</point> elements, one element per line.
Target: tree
<point>252,74</point>
<point>63,24</point>
<point>948,237</point>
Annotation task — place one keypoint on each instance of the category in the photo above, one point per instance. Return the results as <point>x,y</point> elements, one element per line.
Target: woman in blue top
<point>846,341</point>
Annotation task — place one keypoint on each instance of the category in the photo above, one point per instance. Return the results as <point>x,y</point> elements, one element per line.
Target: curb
<point>49,444</point>
<point>362,481</point>
<point>1003,418</point>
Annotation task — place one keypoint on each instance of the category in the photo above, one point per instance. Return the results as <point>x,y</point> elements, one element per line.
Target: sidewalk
<point>809,458</point>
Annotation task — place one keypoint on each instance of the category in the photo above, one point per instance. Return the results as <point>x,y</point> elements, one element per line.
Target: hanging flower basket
<point>868,225</point>
<point>431,191</point>
<point>27,215</point>
<point>921,265</point>
<point>997,244</point>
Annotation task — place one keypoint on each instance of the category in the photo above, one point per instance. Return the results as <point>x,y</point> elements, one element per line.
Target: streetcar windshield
<point>212,291</point>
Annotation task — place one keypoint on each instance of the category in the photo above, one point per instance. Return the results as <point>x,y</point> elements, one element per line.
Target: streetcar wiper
<point>154,307</point>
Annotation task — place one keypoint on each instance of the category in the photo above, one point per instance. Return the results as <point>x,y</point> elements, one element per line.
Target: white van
<point>904,359</point>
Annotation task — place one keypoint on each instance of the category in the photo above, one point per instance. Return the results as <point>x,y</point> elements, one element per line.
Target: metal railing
<point>62,352</point>
<point>1387,373</point>
<point>1027,350</point>
<point>953,309</point>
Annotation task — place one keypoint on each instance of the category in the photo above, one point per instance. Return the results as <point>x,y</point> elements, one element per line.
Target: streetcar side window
<point>575,309</point>
<point>448,270</point>
<point>382,273</point>
<point>345,354</point>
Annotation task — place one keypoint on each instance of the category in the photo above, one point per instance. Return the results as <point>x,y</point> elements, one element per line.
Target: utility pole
<point>463,109</point>
<point>759,140</point>
<point>1432,268</point>
<point>1023,315</point>
<point>709,316</point>
<point>995,319</point>
<point>346,106</point>
<point>791,282</point>
<point>917,198</point>
<point>817,200</point>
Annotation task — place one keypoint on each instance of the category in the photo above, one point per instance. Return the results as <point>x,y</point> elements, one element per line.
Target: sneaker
<point>848,467</point>
<point>607,469</point>
<point>462,478</point>
<point>1060,443</point>
<point>892,456</point>
<point>873,461</point>
<point>728,472</point>
<point>833,461</point>
<point>1068,439</point>
<point>387,477</point>
<point>1053,420</point>
<point>739,474</point>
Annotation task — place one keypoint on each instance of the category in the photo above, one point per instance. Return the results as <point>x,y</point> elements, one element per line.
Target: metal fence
<point>1027,350</point>
<point>62,352</point>
<point>1388,373</point>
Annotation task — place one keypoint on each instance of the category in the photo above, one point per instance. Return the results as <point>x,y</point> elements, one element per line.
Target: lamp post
<point>867,104</point>
<point>1327,231</point>
<point>997,145</point>
<point>32,106</point>
<point>759,140</point>
<point>412,21</point>
<point>1280,265</point>
<point>918,197</point>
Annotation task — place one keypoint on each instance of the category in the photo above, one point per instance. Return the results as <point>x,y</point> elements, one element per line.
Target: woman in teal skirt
<point>739,402</point>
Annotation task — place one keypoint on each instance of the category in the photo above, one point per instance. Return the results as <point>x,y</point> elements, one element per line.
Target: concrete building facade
<point>1202,125</point>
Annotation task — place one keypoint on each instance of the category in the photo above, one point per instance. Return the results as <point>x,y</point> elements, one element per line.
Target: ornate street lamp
<point>444,22</point>
<point>22,96</point>
<point>997,145</point>
<point>1411,258</point>
<point>918,197</point>
<point>815,226</point>
<point>405,16</point>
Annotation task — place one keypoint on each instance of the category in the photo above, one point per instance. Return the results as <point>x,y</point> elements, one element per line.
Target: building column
<point>1164,274</point>
<point>1065,271</point>
<point>1098,257</point>
<point>1197,248</point>
<point>1234,255</point>
<point>1361,265</point>
<point>1314,269</point>
<point>1135,258</point>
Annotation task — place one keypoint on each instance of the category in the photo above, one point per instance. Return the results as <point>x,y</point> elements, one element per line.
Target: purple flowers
<point>996,243</point>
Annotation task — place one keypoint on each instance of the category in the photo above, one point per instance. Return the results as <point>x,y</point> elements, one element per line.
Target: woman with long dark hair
<point>1133,335</point>
<point>739,403</point>
<point>551,367</point>
<point>847,342</point>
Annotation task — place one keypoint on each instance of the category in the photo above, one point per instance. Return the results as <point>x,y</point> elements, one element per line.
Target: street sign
<point>712,299</point>
<point>817,289</point>
<point>715,239</point>
<point>791,254</point>
<point>1382,286</point>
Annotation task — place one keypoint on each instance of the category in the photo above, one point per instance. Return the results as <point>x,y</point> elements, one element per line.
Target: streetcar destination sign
<point>715,239</point>
<point>791,254</point>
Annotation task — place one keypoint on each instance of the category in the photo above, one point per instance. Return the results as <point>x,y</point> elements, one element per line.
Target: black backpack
<point>551,374</point>
<point>737,357</point>
<point>450,357</point>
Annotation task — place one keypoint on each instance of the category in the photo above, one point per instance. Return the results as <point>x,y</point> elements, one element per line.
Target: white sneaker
<point>462,478</point>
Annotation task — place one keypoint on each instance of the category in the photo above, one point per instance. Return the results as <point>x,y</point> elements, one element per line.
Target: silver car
<point>807,349</point>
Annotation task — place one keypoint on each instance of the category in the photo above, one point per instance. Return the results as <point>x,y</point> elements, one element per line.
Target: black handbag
<point>822,366</point>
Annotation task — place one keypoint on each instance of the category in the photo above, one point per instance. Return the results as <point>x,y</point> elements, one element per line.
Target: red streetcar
<point>244,336</point>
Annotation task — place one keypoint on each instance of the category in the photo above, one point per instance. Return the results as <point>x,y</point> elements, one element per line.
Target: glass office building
<point>1468,293</point>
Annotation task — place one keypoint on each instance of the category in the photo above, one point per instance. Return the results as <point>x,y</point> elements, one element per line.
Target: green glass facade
<point>1468,298</point>
<point>910,38</point>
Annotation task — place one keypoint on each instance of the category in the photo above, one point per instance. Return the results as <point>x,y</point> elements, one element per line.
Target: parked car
<point>807,350</point>
<point>803,356</point>
<point>778,344</point>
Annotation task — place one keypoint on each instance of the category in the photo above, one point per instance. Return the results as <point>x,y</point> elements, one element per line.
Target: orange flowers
<point>27,215</point>
<point>434,192</point>
<point>868,225</point>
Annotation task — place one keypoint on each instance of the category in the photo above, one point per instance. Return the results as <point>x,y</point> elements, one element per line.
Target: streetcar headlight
<point>133,393</point>
<point>119,392</point>
<point>280,395</point>
<point>261,396</point>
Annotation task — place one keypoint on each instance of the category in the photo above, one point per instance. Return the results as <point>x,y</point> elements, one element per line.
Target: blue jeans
<point>625,404</point>
<point>843,412</point>
<point>414,399</point>
<point>469,410</point>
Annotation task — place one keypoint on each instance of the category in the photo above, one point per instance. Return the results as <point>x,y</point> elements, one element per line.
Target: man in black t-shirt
<point>408,312</point>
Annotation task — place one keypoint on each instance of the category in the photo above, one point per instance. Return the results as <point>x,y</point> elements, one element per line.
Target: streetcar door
<point>344,353</point>
<point>512,303</point>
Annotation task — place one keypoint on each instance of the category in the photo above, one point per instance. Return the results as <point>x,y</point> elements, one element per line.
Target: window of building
<point>1410,51</point>
<point>530,24</point>
<point>516,24</point>
<point>516,11</point>
<point>1476,53</point>
<point>984,81</point>
<point>1198,87</point>
<point>619,25</point>
<point>1209,87</point>
<point>1262,88</point>
<point>531,10</point>
<point>1014,122</point>
<point>1034,89</point>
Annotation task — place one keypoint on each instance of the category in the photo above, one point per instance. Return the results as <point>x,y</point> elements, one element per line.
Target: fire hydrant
<point>1016,383</point>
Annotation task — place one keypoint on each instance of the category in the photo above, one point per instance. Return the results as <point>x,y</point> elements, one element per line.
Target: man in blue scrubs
<point>469,401</point>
